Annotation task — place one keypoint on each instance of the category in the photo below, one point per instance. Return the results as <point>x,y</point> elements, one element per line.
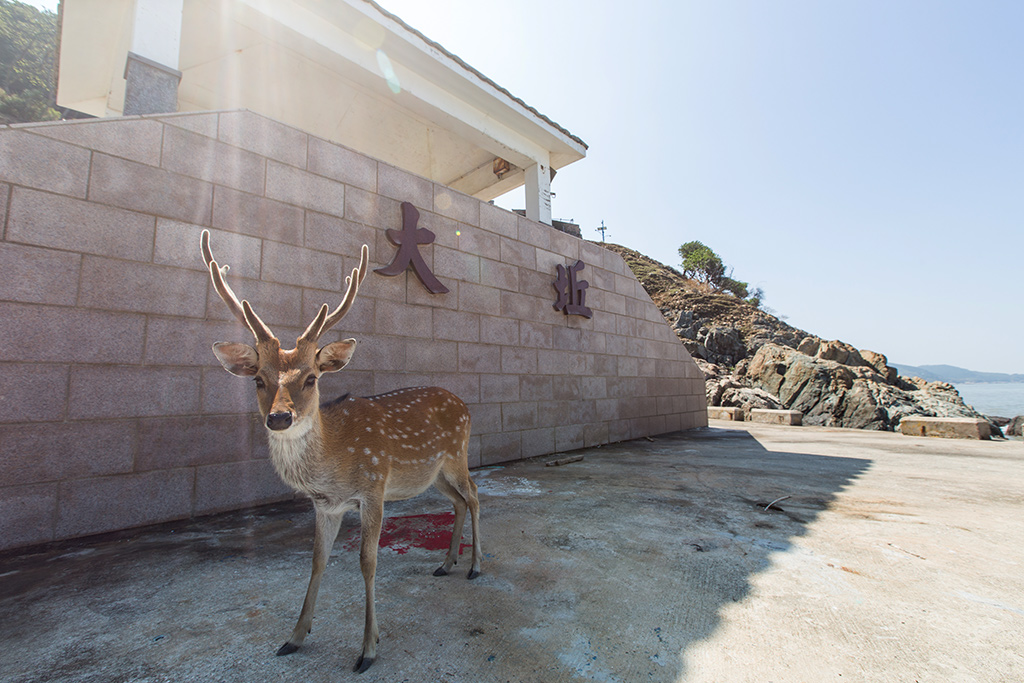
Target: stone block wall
<point>115,412</point>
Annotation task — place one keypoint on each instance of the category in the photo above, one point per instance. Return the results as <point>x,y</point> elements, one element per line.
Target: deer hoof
<point>440,571</point>
<point>362,664</point>
<point>472,574</point>
<point>287,649</point>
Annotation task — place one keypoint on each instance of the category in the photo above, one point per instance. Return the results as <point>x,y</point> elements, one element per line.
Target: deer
<point>349,453</point>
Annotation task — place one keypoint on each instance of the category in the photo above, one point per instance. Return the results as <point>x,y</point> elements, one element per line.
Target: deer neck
<point>296,452</point>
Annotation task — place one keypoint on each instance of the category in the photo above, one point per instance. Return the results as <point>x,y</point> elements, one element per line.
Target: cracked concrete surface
<point>888,558</point>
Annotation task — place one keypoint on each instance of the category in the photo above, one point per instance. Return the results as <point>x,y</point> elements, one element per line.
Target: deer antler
<point>323,321</point>
<point>243,311</point>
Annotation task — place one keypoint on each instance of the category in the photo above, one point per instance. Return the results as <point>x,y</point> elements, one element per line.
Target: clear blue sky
<point>862,162</point>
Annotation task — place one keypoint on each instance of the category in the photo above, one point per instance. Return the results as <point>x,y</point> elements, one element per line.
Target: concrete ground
<point>888,558</point>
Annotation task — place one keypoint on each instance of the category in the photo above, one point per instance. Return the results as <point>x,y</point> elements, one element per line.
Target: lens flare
<point>388,72</point>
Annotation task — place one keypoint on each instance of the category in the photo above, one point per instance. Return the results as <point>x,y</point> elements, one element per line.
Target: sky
<point>861,162</point>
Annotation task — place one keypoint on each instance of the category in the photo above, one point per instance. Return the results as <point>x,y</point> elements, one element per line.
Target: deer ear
<point>238,359</point>
<point>335,355</point>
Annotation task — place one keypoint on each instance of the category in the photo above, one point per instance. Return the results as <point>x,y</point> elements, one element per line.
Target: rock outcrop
<point>751,359</point>
<point>840,386</point>
<point>725,389</point>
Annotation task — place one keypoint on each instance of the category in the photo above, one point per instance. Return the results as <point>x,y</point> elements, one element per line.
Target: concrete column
<point>151,70</point>
<point>538,193</point>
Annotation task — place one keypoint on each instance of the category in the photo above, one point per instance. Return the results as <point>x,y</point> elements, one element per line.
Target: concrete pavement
<point>886,558</point>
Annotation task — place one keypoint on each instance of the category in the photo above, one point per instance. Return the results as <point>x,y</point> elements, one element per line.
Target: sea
<point>1004,399</point>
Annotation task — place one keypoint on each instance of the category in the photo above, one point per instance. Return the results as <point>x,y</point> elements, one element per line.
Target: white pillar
<point>151,70</point>
<point>538,193</point>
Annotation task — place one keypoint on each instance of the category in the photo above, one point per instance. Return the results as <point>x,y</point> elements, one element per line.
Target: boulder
<point>723,343</point>
<point>840,352</point>
<point>832,393</point>
<point>880,364</point>
<point>749,398</point>
<point>1016,426</point>
<point>814,387</point>
<point>809,346</point>
<point>731,391</point>
<point>710,370</point>
<point>685,326</point>
<point>696,349</point>
<point>875,360</point>
<point>845,354</point>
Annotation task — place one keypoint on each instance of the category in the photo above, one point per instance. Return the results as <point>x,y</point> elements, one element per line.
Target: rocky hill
<point>751,359</point>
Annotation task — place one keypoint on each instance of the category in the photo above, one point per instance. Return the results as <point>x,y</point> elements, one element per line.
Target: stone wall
<point>115,412</point>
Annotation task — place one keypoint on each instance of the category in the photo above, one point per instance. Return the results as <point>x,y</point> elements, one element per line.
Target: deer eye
<point>260,384</point>
<point>311,381</point>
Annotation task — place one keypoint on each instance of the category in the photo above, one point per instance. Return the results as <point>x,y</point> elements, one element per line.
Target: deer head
<point>286,379</point>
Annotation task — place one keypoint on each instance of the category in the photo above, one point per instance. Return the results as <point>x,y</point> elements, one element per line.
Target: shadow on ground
<point>605,569</point>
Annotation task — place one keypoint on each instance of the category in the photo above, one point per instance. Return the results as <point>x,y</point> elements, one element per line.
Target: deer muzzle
<point>279,421</point>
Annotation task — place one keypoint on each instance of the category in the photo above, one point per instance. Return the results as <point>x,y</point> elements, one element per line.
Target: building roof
<point>346,70</point>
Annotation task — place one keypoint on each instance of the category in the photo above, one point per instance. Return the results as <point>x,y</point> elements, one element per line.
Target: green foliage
<point>700,263</point>
<point>735,287</point>
<point>28,45</point>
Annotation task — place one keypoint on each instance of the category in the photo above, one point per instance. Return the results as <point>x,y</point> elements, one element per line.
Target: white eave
<point>317,65</point>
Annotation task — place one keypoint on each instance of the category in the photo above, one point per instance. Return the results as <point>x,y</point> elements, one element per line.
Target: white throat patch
<point>288,450</point>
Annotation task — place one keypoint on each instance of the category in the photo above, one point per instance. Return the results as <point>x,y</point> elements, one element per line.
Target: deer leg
<point>327,526</point>
<point>467,489</point>
<point>372,516</point>
<point>474,516</point>
<point>459,503</point>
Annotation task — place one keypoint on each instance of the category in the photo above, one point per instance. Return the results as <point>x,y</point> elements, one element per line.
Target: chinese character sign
<point>572,291</point>
<point>408,240</point>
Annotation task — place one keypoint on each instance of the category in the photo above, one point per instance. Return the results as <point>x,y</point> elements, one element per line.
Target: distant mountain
<point>953,374</point>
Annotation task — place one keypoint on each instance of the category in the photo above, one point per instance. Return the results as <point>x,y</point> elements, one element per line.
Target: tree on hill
<point>702,264</point>
<point>28,46</point>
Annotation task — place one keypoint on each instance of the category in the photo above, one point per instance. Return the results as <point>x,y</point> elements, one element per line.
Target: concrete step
<point>777,417</point>
<point>724,413</point>
<point>945,427</point>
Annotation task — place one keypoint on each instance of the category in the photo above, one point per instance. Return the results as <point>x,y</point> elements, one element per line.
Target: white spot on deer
<point>373,460</point>
<point>366,451</point>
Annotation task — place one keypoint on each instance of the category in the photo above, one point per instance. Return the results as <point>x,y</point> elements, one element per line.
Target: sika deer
<point>352,452</point>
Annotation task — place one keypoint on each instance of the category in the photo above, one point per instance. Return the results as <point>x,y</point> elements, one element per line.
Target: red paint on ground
<point>430,532</point>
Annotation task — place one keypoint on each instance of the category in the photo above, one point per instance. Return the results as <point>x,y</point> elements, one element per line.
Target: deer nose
<point>279,421</point>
